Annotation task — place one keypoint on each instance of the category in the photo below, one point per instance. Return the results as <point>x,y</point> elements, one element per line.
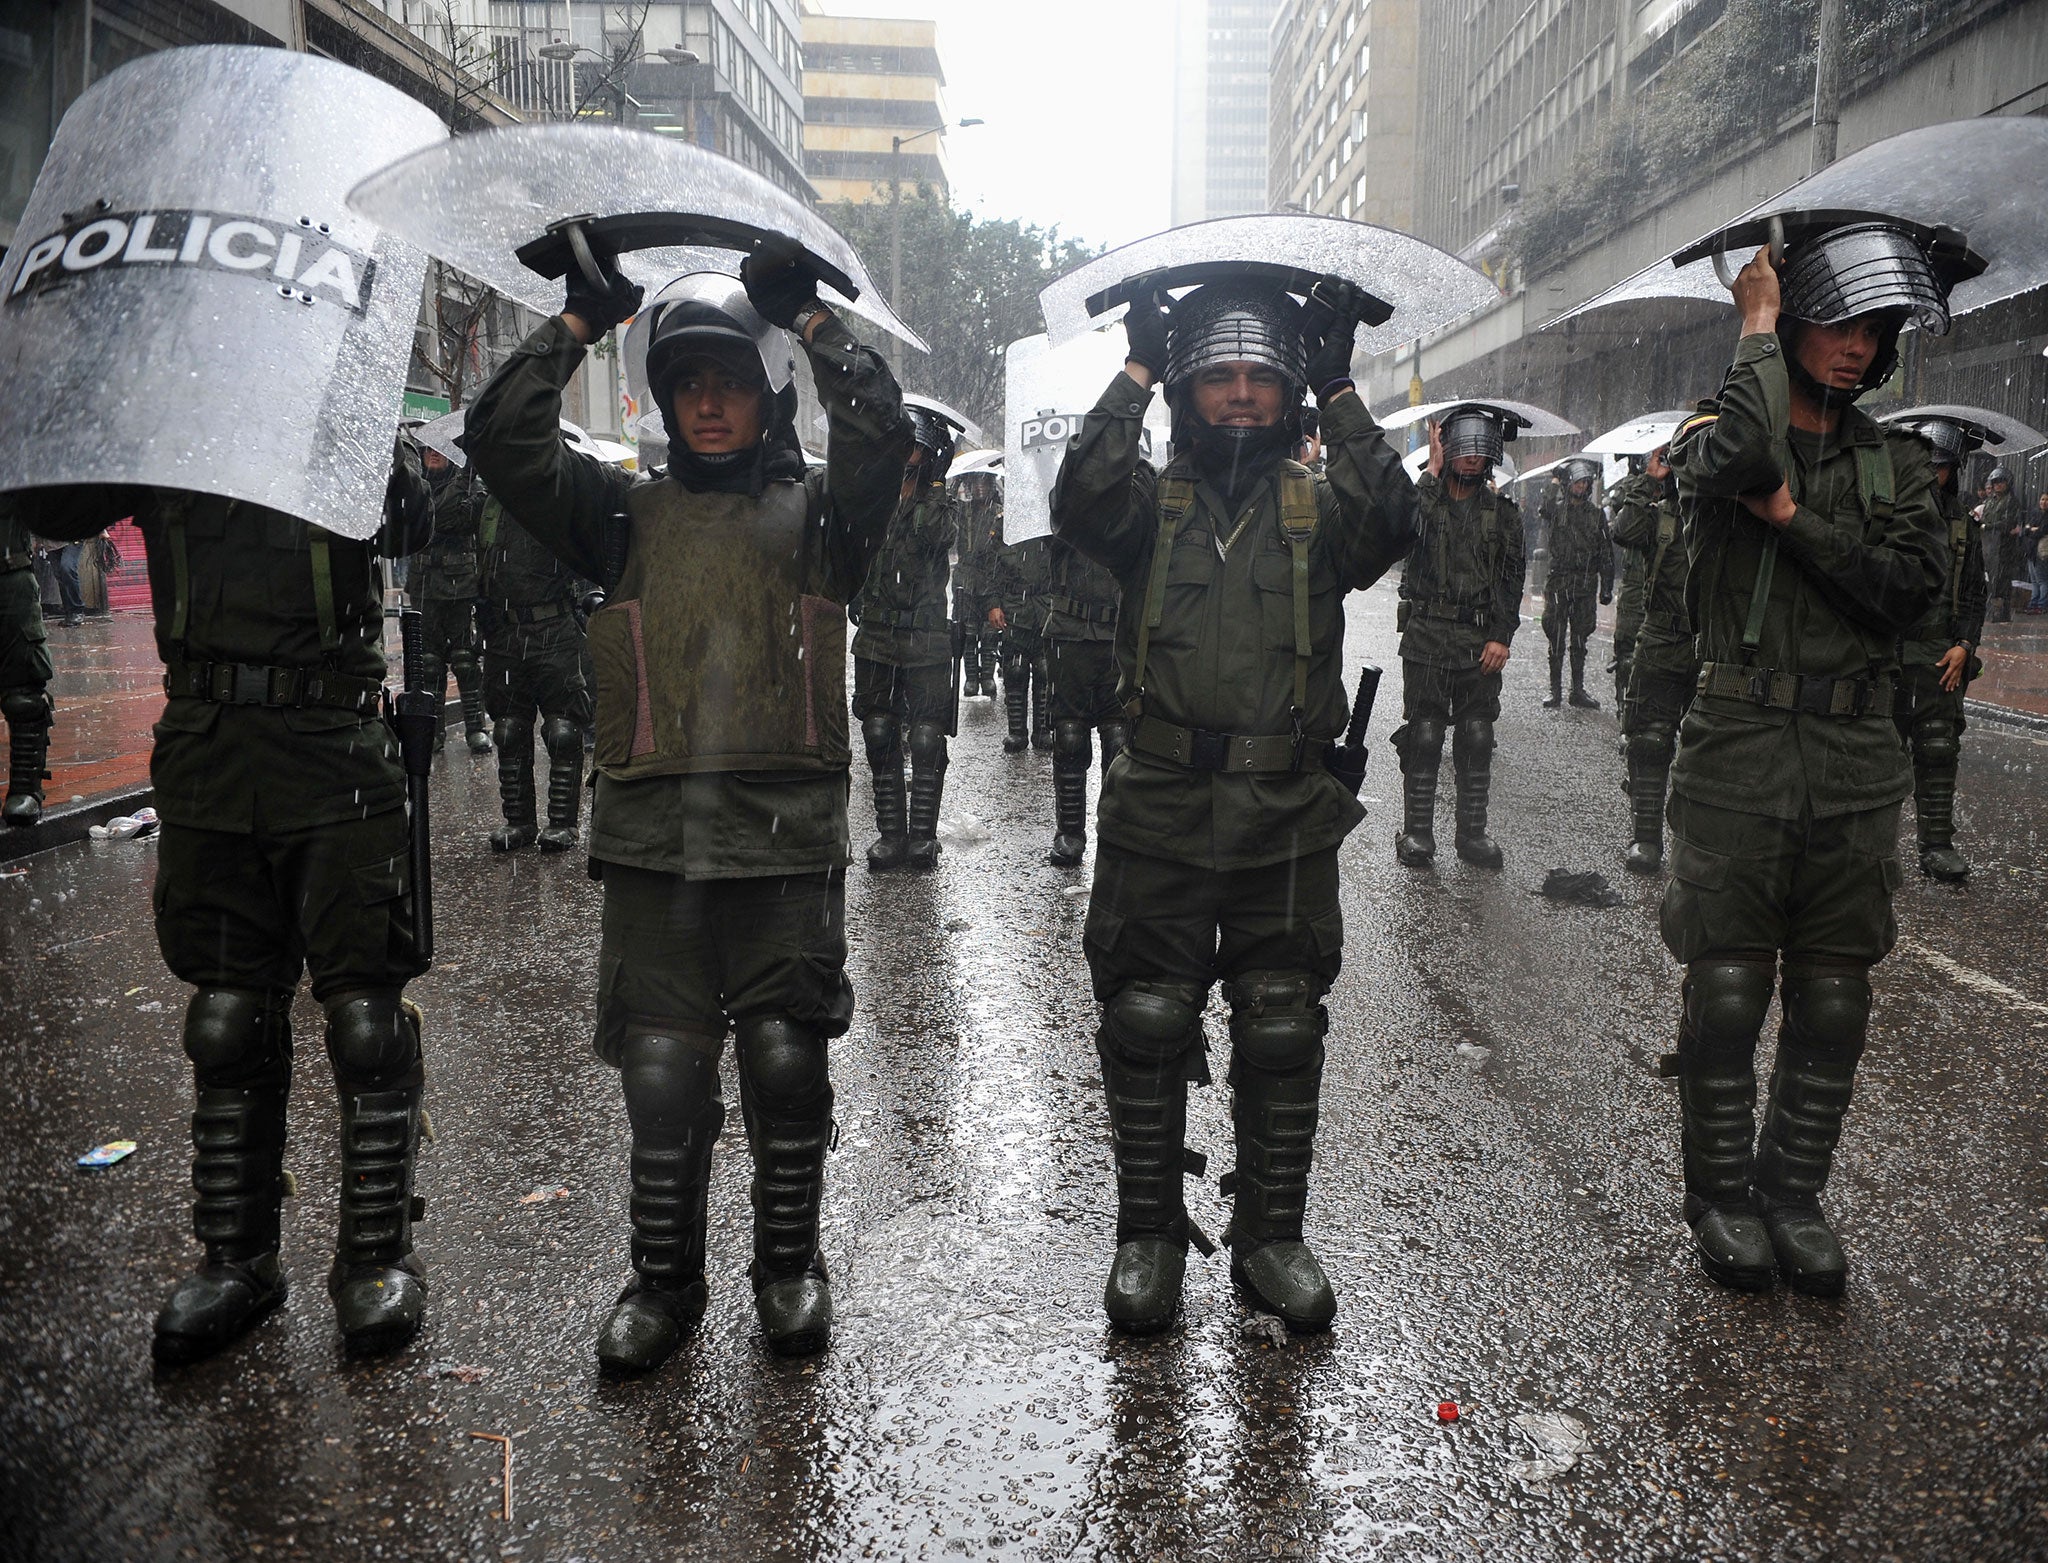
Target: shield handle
<point>1777,243</point>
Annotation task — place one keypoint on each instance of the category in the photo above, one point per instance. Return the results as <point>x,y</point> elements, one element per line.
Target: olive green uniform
<point>1663,666</point>
<point>1023,576</point>
<point>25,671</point>
<point>1787,784</point>
<point>533,670</point>
<point>1080,619</point>
<point>1581,572</point>
<point>1930,717</point>
<point>442,581</point>
<point>1461,588</point>
<point>283,850</point>
<point>975,591</point>
<point>902,674</point>
<point>2001,515</point>
<point>1628,503</point>
<point>1219,825</point>
<point>722,754</point>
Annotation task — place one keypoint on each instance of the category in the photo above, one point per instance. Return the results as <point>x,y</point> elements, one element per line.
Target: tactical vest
<point>713,655</point>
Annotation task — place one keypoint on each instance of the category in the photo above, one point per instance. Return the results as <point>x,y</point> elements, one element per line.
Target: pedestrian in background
<point>2034,545</point>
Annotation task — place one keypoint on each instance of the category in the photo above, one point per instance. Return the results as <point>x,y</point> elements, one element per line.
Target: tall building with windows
<point>871,83</point>
<point>1219,107</point>
<point>1342,100</point>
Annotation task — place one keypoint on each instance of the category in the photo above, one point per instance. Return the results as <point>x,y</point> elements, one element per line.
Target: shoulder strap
<point>1174,498</point>
<point>1298,526</point>
<point>1874,485</point>
<point>323,592</point>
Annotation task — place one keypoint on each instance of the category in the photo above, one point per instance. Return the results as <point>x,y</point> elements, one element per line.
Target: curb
<point>69,822</point>
<point>2004,716</point>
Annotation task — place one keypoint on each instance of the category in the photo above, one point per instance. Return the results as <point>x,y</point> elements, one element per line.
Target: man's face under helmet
<point>1228,323</point>
<point>1869,270</point>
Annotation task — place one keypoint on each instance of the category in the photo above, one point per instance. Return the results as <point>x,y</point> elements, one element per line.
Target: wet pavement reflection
<point>1496,1196</point>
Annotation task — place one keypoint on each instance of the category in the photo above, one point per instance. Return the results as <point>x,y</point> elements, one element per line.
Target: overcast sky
<point>1077,95</point>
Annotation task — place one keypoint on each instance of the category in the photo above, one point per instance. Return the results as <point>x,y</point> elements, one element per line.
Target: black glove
<point>1329,324</point>
<point>780,282</point>
<point>1147,326</point>
<point>610,301</point>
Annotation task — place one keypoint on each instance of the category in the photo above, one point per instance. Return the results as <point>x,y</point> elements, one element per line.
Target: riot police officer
<point>441,580</point>
<point>1663,665</point>
<point>1461,596</point>
<point>1815,540</point>
<point>1581,561</point>
<point>25,673</point>
<point>1080,603</point>
<point>722,748</point>
<point>1219,825</point>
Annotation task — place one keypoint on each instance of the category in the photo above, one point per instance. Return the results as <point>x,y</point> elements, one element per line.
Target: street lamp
<point>896,146</point>
<point>561,53</point>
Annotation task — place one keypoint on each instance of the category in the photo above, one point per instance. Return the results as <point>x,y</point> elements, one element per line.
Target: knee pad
<point>1474,738</point>
<point>1277,1020</point>
<point>30,707</point>
<point>883,738</point>
<point>462,662</point>
<point>1420,743</point>
<point>670,1079</point>
<point>1071,749</point>
<point>782,1064</point>
<point>1725,1002</point>
<point>1651,746</point>
<point>1116,738</point>
<point>1828,1014</point>
<point>562,737</point>
<point>1935,743</point>
<point>1146,1024</point>
<point>239,1037</point>
<point>513,736</point>
<point>373,1038</point>
<point>927,746</point>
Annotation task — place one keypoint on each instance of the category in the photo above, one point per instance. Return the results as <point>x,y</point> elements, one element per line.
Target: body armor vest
<point>714,655</point>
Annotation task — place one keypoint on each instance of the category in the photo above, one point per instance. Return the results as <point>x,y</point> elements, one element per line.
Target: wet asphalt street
<point>1496,1197</point>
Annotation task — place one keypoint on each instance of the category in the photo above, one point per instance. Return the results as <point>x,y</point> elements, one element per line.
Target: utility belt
<point>531,613</point>
<point>931,619</point>
<point>1669,623</point>
<point>1077,608</point>
<point>1812,695</point>
<point>1197,749</point>
<point>248,684</point>
<point>1449,612</point>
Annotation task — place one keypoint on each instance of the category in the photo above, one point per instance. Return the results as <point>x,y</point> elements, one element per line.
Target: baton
<point>415,723</point>
<point>1347,761</point>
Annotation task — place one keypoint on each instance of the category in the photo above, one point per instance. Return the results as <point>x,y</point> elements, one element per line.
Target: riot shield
<point>1047,390</point>
<point>1639,436</point>
<point>444,434</point>
<point>494,204</point>
<point>970,431</point>
<point>1980,177</point>
<point>1538,423</point>
<point>191,304</point>
<point>1416,462</point>
<point>1413,288</point>
<point>2000,432</point>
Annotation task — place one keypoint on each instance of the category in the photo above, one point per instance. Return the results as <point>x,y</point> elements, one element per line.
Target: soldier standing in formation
<point>2000,531</point>
<point>1461,602</point>
<point>1581,562</point>
<point>1664,667</point>
<point>441,580</point>
<point>1025,576</point>
<point>1937,658</point>
<point>1637,489</point>
<point>722,749</point>
<point>974,592</point>
<point>25,672</point>
<point>1080,604</point>
<point>1816,540</point>
<point>283,849</point>
<point>903,656</point>
<point>533,608</point>
<point>1219,824</point>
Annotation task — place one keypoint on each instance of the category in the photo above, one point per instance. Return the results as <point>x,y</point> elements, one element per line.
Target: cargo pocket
<point>625,724</point>
<point>380,880</point>
<point>186,716</point>
<point>1891,874</point>
<point>1698,867</point>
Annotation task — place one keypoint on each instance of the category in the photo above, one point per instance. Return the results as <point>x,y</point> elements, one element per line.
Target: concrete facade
<point>869,82</point>
<point>1220,114</point>
<point>1342,92</point>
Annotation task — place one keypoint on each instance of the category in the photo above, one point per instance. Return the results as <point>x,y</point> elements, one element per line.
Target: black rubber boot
<point>1934,814</point>
<point>29,714</point>
<point>378,1287</point>
<point>884,740</point>
<point>676,1111</point>
<point>1579,697</point>
<point>786,1100</point>
<point>1276,1072</point>
<point>1041,719</point>
<point>1422,758</point>
<point>1646,785</point>
<point>241,1047</point>
<point>1556,678</point>
<point>1072,754</point>
<point>1147,1042</point>
<point>469,682</point>
<point>515,785</point>
<point>927,783</point>
<point>563,740</point>
<point>1819,1045</point>
<point>1472,759</point>
<point>1016,703</point>
<point>1724,1005</point>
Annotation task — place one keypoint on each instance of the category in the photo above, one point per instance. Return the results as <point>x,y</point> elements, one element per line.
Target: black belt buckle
<point>1207,751</point>
<point>246,685</point>
<point>1816,696</point>
<point>1760,685</point>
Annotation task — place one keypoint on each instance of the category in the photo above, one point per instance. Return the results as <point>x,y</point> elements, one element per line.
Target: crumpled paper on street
<point>1559,1439</point>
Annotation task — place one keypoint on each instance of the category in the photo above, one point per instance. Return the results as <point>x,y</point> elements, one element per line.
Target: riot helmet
<point>1870,268</point>
<point>707,315</point>
<point>1998,475</point>
<point>1475,429</point>
<point>1580,469</point>
<point>932,432</point>
<point>1227,323</point>
<point>1951,441</point>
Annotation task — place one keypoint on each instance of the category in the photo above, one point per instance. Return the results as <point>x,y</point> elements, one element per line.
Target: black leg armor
<point>786,1101</point>
<point>1724,1006</point>
<point>563,740</point>
<point>469,683</point>
<point>29,714</point>
<point>1016,699</point>
<point>1421,747</point>
<point>515,785</point>
<point>1472,758</point>
<point>1936,750</point>
<point>927,783</point>
<point>379,1290</point>
<point>1650,750</point>
<point>1819,1044</point>
<point>1072,754</point>
<point>883,736</point>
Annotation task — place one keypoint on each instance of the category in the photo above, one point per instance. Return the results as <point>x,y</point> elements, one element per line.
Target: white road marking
<point>1969,977</point>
